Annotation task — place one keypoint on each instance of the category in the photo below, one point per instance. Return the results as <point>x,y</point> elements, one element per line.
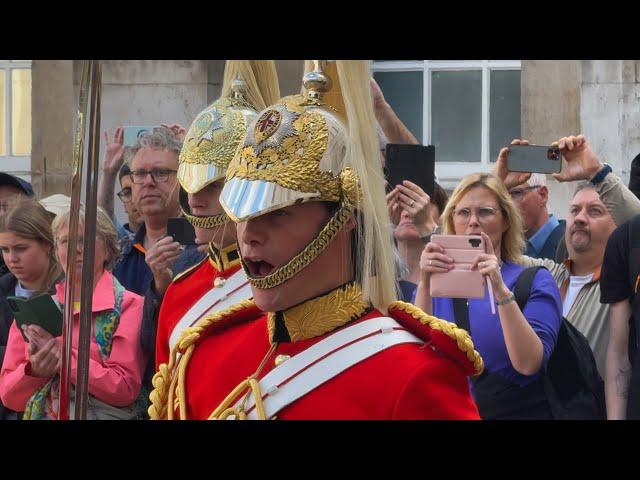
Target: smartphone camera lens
<point>553,154</point>
<point>475,242</point>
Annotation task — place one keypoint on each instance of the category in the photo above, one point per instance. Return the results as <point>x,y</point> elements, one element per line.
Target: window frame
<point>20,164</point>
<point>450,173</point>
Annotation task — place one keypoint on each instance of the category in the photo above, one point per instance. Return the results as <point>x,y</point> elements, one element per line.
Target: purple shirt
<point>543,311</point>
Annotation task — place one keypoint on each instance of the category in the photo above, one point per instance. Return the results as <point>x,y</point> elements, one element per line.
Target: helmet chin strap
<point>208,222</point>
<point>308,254</point>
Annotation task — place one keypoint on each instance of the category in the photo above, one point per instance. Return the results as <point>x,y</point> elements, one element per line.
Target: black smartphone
<point>181,231</point>
<point>534,159</point>
<point>415,163</point>
<point>38,310</point>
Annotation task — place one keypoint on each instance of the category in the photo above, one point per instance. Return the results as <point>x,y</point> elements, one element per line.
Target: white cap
<point>56,204</point>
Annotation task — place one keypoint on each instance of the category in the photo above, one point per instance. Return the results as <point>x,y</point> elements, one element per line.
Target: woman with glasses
<point>514,344</point>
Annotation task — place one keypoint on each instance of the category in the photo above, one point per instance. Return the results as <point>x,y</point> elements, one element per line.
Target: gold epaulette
<point>185,273</point>
<point>460,336</point>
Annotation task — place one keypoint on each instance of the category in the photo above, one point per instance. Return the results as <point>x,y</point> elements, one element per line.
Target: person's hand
<point>415,202</point>
<point>433,260</point>
<point>160,257</point>
<point>37,336</point>
<point>178,130</point>
<point>113,152</point>
<point>582,163</point>
<point>488,264</point>
<point>377,95</point>
<point>394,208</point>
<point>501,169</point>
<point>46,361</point>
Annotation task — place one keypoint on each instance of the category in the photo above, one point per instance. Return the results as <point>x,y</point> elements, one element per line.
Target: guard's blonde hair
<point>513,237</point>
<point>260,77</point>
<point>375,259</point>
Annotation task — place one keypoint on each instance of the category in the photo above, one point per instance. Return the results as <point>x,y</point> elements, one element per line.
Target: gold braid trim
<point>307,255</point>
<point>461,336</point>
<point>167,382</point>
<point>209,222</point>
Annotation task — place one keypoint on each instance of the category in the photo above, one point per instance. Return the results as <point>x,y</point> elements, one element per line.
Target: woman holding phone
<point>28,250</point>
<point>514,344</point>
<point>29,380</point>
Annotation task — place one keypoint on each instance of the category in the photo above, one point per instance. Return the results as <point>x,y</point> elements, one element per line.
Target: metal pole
<point>86,289</point>
<point>76,187</point>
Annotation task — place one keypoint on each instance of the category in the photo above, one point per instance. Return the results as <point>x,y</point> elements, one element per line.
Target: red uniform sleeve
<point>162,336</point>
<point>438,390</point>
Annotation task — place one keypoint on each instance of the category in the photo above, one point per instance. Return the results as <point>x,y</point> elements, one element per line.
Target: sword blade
<point>86,289</point>
<point>76,187</point>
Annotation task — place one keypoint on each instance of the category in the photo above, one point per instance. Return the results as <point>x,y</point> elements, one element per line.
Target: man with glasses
<point>542,231</point>
<point>147,258</point>
<point>133,214</point>
<point>599,204</point>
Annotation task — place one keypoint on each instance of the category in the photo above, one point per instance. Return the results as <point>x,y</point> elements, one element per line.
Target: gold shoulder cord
<point>461,336</point>
<point>225,411</point>
<point>169,381</point>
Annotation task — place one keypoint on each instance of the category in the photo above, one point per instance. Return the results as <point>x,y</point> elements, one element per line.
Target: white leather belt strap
<point>235,289</point>
<point>321,362</point>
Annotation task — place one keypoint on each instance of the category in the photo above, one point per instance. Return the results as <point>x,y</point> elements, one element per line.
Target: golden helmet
<point>218,130</point>
<point>320,146</point>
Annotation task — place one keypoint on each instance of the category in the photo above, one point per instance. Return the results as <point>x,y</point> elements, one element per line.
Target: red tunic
<point>181,295</point>
<point>406,381</point>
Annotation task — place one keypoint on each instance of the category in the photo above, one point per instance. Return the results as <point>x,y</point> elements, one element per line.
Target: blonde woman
<point>514,344</point>
<point>28,251</point>
<point>29,379</point>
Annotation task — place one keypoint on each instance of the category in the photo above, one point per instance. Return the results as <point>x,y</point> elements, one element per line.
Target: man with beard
<point>598,206</point>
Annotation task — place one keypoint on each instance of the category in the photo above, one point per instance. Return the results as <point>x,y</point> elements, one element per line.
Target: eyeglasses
<point>125,195</point>
<point>159,175</point>
<point>483,214</point>
<point>517,193</point>
<point>64,242</point>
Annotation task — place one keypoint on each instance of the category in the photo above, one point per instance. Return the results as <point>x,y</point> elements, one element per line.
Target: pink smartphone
<point>460,281</point>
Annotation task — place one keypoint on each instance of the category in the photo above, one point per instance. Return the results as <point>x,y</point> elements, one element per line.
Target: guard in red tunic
<point>218,281</point>
<point>307,194</point>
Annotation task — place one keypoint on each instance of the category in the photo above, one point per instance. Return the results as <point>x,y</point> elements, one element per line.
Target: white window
<point>468,109</point>
<point>15,117</point>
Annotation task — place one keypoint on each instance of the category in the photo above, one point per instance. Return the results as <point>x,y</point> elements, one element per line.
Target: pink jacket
<point>115,381</point>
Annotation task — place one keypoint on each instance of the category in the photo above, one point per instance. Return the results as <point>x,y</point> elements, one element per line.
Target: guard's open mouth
<point>258,268</point>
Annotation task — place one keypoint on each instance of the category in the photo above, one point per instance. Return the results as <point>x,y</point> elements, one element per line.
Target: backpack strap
<point>522,288</point>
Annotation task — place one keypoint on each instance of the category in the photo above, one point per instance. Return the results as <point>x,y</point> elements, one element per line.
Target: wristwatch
<point>604,171</point>
<point>508,299</point>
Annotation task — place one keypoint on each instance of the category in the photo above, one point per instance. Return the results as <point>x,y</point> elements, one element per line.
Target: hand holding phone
<point>415,163</point>
<point>450,261</point>
<point>534,159</point>
<point>181,231</point>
